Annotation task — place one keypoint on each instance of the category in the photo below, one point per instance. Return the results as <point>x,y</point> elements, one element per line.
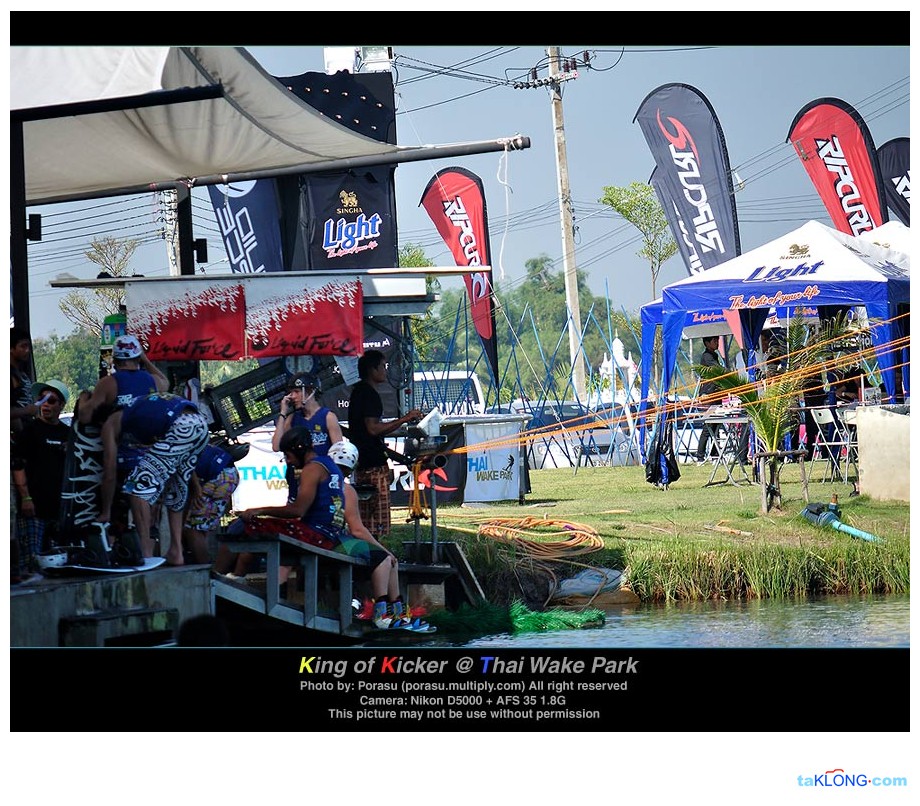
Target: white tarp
<point>257,124</point>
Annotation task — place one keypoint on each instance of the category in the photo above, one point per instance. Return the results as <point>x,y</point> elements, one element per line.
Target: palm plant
<point>771,403</point>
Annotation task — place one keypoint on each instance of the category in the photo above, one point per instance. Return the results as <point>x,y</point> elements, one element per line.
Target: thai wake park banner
<point>837,151</point>
<point>493,462</point>
<point>894,165</point>
<point>693,174</point>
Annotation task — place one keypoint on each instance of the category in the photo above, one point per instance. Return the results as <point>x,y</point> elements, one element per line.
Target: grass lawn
<point>661,540</point>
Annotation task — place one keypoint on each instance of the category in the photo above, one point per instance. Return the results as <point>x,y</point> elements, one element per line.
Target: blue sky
<point>449,94</point>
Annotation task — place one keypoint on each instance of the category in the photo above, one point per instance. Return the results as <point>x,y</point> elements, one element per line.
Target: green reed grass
<point>666,550</point>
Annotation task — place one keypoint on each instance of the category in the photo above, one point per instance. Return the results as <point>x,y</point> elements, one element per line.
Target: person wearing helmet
<point>135,375</point>
<point>327,507</point>
<point>38,455</point>
<point>301,409</point>
<point>389,609</point>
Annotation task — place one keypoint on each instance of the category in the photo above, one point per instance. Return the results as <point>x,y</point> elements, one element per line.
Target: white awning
<point>114,120</point>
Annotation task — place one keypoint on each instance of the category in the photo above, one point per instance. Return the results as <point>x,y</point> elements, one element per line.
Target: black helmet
<point>298,441</point>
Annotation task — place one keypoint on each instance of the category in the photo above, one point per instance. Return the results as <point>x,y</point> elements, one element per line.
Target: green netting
<point>489,619</point>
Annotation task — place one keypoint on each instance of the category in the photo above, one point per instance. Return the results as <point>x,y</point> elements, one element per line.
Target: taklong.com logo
<point>839,778</point>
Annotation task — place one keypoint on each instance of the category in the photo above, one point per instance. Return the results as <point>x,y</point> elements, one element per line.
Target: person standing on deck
<point>366,430</point>
<point>134,376</point>
<point>301,409</point>
<point>709,358</point>
<point>38,454</point>
<point>172,433</point>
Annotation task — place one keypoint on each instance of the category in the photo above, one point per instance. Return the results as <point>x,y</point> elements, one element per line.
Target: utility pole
<point>568,236</point>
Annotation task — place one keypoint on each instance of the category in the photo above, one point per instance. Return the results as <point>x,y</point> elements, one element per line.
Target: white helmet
<point>126,348</point>
<point>344,454</point>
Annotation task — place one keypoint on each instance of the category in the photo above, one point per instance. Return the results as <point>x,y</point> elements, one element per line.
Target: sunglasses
<point>55,401</point>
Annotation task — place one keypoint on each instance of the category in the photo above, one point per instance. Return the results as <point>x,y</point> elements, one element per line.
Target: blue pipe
<point>830,518</point>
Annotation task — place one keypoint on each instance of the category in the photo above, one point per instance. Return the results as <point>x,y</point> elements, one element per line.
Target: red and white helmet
<point>126,347</point>
<point>344,454</point>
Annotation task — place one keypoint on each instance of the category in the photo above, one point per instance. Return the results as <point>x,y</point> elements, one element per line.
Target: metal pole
<point>568,238</point>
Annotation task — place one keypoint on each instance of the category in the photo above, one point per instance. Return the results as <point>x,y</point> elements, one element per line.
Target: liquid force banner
<point>836,148</point>
<point>693,174</point>
<point>247,214</point>
<point>229,317</point>
<point>894,166</point>
<point>455,201</point>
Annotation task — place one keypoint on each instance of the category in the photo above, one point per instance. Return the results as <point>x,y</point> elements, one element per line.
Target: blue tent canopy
<point>813,265</point>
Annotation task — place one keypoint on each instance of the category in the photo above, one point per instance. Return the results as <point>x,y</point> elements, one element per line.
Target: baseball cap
<point>54,385</point>
<point>306,380</point>
<point>126,347</point>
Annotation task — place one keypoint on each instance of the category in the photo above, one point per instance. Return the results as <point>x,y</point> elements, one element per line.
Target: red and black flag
<point>455,201</point>
<point>693,174</point>
<point>835,146</point>
<point>894,164</point>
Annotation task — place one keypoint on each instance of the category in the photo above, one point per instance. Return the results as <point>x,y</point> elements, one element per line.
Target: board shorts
<point>205,514</point>
<point>375,511</point>
<point>165,467</point>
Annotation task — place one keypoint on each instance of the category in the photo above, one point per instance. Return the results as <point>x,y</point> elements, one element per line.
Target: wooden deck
<point>318,595</point>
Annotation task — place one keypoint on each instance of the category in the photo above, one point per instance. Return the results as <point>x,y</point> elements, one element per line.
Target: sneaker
<point>407,622</point>
<point>382,619</point>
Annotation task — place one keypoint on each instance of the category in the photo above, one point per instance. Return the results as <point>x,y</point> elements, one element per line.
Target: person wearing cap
<point>301,409</point>
<point>135,375</point>
<point>38,456</point>
<point>172,433</point>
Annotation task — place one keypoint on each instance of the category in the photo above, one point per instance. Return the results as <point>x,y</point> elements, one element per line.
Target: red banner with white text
<point>455,201</point>
<point>837,151</point>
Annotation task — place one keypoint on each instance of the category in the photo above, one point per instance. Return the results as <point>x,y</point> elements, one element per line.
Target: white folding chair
<point>832,444</point>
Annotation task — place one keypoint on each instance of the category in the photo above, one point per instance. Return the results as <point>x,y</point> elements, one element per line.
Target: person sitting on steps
<point>328,508</point>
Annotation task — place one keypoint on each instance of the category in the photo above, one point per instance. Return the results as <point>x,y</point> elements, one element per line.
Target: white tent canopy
<point>891,235</point>
<point>813,265</point>
<point>113,120</point>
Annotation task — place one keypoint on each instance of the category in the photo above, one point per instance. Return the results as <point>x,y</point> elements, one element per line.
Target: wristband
<point>26,497</point>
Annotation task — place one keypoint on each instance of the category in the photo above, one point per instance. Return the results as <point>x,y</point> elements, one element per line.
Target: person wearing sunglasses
<point>38,455</point>
<point>301,409</point>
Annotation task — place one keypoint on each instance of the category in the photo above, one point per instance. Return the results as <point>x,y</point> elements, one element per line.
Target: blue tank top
<point>131,384</point>
<point>148,418</point>
<point>316,425</point>
<point>328,507</point>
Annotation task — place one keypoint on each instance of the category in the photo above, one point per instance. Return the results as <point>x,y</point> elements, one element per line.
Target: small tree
<point>772,403</point>
<point>639,205</point>
<point>88,309</point>
<point>411,256</point>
